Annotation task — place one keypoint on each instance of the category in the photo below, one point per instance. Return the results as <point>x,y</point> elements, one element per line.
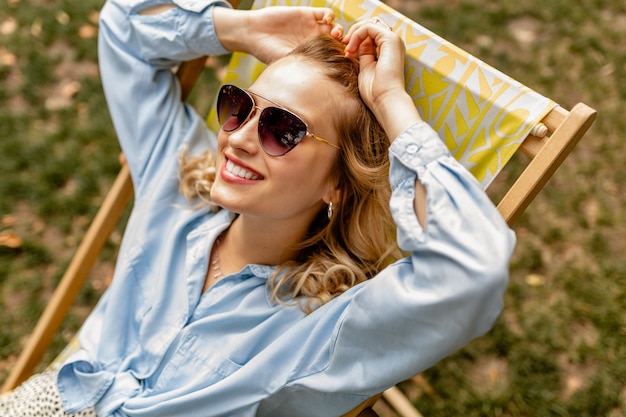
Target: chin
<point>222,200</point>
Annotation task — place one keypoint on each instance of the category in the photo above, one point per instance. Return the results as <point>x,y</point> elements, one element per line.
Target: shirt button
<point>412,148</point>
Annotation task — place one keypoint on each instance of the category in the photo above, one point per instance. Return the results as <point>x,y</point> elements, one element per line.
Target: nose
<point>246,137</point>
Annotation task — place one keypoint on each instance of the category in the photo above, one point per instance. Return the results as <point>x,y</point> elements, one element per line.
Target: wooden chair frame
<point>564,130</point>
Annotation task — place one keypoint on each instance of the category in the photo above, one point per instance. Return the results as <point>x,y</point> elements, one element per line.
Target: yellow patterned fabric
<point>482,114</point>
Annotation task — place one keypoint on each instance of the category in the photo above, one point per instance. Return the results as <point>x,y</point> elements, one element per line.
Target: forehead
<point>296,84</point>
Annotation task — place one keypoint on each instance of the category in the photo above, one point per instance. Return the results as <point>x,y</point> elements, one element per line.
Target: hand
<point>272,32</point>
<point>381,54</point>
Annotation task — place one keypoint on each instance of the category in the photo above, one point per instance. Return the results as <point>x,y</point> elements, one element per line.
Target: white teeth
<point>240,171</point>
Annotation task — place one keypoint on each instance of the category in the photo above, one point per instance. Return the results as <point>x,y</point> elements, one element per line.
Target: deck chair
<point>483,115</point>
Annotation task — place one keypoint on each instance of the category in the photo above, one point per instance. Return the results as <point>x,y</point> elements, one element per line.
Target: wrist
<point>395,113</point>
<point>230,27</point>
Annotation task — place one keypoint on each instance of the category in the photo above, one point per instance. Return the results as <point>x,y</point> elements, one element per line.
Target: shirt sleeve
<point>420,309</point>
<point>137,53</point>
<point>450,289</point>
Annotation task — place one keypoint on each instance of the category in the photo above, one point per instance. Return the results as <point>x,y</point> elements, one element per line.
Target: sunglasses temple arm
<point>325,141</point>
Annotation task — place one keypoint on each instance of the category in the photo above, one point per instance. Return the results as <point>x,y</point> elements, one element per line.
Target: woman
<point>289,301</point>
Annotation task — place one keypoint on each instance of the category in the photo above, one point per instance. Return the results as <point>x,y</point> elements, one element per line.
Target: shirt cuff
<point>200,33</point>
<point>418,145</point>
<point>199,5</point>
<point>413,149</point>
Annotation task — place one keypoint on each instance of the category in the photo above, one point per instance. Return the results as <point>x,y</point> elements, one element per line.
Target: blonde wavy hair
<point>358,241</point>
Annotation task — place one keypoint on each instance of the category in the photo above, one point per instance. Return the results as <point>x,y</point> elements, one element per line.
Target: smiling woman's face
<point>297,184</point>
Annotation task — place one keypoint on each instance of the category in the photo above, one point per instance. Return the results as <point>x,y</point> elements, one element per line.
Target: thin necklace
<point>215,264</point>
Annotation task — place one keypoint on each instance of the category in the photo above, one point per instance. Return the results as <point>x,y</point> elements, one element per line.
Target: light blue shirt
<point>155,345</point>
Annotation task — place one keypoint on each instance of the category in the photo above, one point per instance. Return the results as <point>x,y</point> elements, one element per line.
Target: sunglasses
<point>279,129</point>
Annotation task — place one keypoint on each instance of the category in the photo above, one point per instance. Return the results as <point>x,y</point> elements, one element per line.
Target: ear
<point>333,193</point>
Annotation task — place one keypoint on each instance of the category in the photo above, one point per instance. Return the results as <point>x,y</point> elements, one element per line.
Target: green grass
<point>559,349</point>
<point>58,156</point>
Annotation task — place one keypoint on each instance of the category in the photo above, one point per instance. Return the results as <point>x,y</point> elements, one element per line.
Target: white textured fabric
<point>37,397</point>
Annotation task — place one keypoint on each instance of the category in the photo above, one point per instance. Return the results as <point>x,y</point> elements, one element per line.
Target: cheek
<point>222,140</point>
<point>307,175</point>
<point>222,143</point>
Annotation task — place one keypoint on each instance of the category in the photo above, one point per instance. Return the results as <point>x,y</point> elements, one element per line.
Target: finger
<point>365,60</point>
<point>324,15</point>
<point>354,38</point>
<point>337,31</point>
<point>351,30</point>
<point>380,22</point>
<point>377,21</point>
<point>362,29</point>
<point>326,19</point>
<point>358,36</point>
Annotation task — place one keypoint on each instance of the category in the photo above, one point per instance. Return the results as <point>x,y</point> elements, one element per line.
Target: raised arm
<point>141,42</point>
<point>381,84</point>
<point>138,47</point>
<point>272,32</point>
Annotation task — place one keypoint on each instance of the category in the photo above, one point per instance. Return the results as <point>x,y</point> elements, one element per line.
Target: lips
<point>241,172</point>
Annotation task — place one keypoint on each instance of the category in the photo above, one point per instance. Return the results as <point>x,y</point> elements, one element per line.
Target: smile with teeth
<point>241,171</point>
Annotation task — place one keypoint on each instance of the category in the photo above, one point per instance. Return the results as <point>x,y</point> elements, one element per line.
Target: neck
<point>259,241</point>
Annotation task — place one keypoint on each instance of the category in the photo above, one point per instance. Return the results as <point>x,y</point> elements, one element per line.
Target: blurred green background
<point>559,349</point>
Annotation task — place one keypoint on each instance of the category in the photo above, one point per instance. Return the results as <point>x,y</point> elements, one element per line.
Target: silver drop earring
<point>330,210</point>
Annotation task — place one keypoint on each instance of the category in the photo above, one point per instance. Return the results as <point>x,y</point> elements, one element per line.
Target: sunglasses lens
<point>280,131</point>
<point>233,107</point>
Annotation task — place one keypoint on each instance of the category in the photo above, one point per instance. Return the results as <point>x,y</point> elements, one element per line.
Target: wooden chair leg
<point>363,407</point>
<point>400,403</point>
<point>368,412</point>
